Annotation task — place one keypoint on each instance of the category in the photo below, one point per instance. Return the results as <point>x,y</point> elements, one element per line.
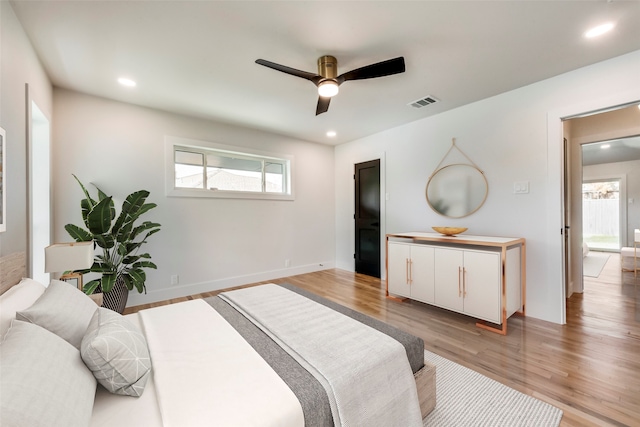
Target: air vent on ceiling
<point>423,102</point>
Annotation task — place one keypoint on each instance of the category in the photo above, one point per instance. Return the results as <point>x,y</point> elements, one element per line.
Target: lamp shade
<point>61,257</point>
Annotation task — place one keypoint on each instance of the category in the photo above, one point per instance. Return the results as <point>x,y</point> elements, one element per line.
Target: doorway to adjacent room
<point>601,214</point>
<point>367,218</point>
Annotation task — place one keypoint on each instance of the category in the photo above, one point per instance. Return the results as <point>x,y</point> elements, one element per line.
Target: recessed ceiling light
<point>331,133</point>
<point>599,30</point>
<point>126,82</point>
<point>605,146</point>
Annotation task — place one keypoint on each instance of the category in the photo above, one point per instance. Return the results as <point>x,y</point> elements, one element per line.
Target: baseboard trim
<point>165,294</point>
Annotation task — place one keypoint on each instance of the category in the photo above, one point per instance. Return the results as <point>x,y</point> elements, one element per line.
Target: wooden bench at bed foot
<point>426,385</point>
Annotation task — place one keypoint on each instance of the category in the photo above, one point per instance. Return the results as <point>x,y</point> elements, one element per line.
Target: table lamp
<point>61,257</point>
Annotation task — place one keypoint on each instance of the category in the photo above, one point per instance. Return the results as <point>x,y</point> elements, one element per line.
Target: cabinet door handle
<point>410,271</point>
<point>459,290</point>
<point>464,282</point>
<point>406,274</point>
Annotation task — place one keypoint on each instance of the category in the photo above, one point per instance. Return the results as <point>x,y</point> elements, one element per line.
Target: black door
<point>367,216</point>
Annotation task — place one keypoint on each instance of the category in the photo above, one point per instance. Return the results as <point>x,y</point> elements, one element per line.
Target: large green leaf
<point>145,264</point>
<point>102,267</point>
<point>130,259</point>
<point>134,202</point>
<point>147,225</point>
<point>132,246</point>
<point>85,208</point>
<point>138,278</point>
<point>108,280</point>
<point>144,209</point>
<point>78,234</point>
<point>123,249</point>
<point>105,241</point>
<point>127,281</point>
<point>101,194</point>
<point>124,233</point>
<point>91,287</point>
<point>91,202</point>
<point>99,218</point>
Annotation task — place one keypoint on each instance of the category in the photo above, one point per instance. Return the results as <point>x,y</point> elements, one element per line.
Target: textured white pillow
<point>44,381</point>
<point>19,297</point>
<point>116,351</point>
<point>64,310</point>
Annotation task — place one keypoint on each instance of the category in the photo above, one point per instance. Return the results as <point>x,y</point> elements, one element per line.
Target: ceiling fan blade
<point>283,68</point>
<point>380,69</point>
<point>323,104</point>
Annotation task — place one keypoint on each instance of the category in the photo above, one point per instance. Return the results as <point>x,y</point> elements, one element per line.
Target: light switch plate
<point>521,187</point>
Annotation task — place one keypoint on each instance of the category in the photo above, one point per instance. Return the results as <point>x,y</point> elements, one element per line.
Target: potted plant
<point>120,264</point>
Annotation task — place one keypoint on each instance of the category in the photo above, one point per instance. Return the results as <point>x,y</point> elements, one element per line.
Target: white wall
<point>19,65</point>
<point>210,243</point>
<point>507,136</point>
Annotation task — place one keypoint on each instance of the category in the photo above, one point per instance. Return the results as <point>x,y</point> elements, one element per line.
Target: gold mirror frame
<point>457,190</point>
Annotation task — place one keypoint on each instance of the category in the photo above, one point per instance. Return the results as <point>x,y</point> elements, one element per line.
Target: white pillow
<point>44,381</point>
<point>64,310</point>
<point>19,297</point>
<point>116,351</point>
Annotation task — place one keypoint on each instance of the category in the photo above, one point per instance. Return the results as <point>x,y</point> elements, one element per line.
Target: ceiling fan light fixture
<point>328,88</point>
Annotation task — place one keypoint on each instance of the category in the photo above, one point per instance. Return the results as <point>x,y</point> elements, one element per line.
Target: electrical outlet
<point>174,279</point>
<point>287,263</point>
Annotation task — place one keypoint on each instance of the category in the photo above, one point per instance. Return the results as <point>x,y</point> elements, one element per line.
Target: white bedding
<point>116,410</point>
<point>365,372</point>
<point>203,373</point>
<point>210,374</point>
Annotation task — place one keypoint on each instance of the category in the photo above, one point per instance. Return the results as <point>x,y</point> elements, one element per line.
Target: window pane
<point>227,162</point>
<point>234,180</point>
<point>274,177</point>
<point>188,176</point>
<point>189,158</point>
<point>222,171</point>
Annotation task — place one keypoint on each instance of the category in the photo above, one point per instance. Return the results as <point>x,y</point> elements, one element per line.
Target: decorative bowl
<point>450,231</point>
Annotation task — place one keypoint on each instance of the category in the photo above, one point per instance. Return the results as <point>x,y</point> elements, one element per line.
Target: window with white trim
<point>212,170</point>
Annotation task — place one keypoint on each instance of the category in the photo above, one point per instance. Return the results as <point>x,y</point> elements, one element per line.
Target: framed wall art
<point>3,181</point>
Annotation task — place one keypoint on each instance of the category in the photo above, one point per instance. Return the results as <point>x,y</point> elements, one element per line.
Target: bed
<point>241,358</point>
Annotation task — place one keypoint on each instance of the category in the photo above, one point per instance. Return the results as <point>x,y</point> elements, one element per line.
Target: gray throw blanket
<point>366,373</point>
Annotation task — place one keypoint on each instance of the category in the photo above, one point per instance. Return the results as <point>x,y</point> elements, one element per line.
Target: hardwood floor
<point>589,368</point>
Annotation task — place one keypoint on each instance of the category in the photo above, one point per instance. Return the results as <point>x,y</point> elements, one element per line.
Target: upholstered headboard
<point>13,268</point>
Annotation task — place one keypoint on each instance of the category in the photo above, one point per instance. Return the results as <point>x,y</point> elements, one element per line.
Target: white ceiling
<point>197,58</point>
<point>612,151</point>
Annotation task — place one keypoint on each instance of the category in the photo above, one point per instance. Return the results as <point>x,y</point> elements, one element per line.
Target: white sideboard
<point>480,276</point>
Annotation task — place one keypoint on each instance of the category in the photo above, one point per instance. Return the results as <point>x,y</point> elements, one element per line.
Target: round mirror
<point>457,190</point>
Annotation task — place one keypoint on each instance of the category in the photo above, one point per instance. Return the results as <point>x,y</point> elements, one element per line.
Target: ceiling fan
<point>327,79</point>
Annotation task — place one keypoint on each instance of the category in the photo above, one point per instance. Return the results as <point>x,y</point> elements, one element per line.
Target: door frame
<point>38,132</point>
<point>556,262</point>
<point>383,207</point>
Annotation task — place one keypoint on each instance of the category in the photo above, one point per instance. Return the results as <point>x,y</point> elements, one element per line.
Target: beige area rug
<point>593,263</point>
<point>467,398</point>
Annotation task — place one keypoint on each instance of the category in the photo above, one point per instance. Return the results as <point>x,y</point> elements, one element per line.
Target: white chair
<point>629,256</point>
